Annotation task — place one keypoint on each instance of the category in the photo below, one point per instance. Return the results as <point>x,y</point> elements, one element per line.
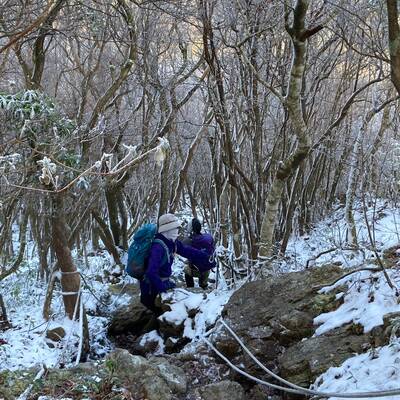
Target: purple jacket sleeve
<point>153,268</point>
<point>198,257</point>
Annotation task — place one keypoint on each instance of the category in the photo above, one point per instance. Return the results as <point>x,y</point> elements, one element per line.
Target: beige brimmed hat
<point>167,222</point>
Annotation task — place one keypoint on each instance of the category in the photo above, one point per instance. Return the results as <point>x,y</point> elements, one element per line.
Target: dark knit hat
<point>196,226</point>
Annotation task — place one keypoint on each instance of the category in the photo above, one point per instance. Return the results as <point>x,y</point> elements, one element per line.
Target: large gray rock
<point>121,372</point>
<point>304,361</point>
<point>225,390</point>
<point>274,318</point>
<point>282,309</point>
<point>172,374</point>
<point>156,378</point>
<point>137,372</point>
<point>271,315</point>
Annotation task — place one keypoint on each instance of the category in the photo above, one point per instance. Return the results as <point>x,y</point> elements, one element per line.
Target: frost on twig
<point>131,153</point>
<point>48,171</point>
<point>162,150</point>
<point>9,162</point>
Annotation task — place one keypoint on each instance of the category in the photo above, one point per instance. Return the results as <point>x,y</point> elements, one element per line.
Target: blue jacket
<point>159,268</point>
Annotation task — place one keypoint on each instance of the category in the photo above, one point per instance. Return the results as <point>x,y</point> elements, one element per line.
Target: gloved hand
<point>169,285</point>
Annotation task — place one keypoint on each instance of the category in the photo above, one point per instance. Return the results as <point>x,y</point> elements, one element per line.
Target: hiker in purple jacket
<point>200,241</point>
<point>158,272</point>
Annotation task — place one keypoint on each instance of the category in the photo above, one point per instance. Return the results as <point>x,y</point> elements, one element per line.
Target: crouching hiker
<point>157,265</point>
<point>200,241</point>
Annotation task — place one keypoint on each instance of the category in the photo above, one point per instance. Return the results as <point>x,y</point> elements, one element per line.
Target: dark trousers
<point>148,295</point>
<point>148,300</point>
<point>203,280</point>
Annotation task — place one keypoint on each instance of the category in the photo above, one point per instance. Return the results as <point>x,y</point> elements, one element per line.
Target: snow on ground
<point>367,299</point>
<point>209,308</point>
<point>26,344</point>
<point>330,235</point>
<point>374,371</point>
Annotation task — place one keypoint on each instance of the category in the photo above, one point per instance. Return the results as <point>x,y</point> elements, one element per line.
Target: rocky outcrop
<point>273,317</point>
<point>303,362</point>
<point>132,376</point>
<point>157,379</point>
<point>275,320</point>
<point>224,390</point>
<point>125,376</point>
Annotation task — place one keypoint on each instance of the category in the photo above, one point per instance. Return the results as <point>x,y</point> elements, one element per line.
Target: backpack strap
<point>166,255</point>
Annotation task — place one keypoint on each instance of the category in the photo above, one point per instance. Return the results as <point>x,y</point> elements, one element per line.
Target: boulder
<point>130,376</point>
<point>302,362</point>
<point>270,314</point>
<point>173,375</point>
<point>281,310</point>
<point>225,390</point>
<point>391,327</point>
<point>274,318</point>
<point>156,378</point>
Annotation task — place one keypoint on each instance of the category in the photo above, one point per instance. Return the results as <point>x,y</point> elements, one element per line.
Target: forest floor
<point>367,299</point>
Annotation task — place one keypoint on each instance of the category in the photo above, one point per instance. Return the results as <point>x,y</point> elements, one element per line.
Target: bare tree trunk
<point>124,220</point>
<point>372,182</point>
<point>70,278</point>
<point>112,208</point>
<point>4,324</point>
<point>22,245</point>
<point>224,216</point>
<point>165,185</point>
<point>351,188</point>
<point>234,218</point>
<point>49,295</point>
<point>106,237</point>
<point>290,211</point>
<point>394,42</point>
<point>299,34</point>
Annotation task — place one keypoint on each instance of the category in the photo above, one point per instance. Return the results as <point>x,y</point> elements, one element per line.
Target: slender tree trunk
<point>165,186</point>
<point>290,211</point>
<point>394,42</point>
<point>351,188</point>
<point>4,324</point>
<point>112,208</point>
<point>234,218</point>
<point>286,168</point>
<point>70,278</point>
<point>106,237</point>
<point>22,245</point>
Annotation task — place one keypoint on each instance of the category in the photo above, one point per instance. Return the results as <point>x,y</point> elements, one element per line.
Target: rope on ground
<point>81,332</point>
<point>251,377</point>
<point>293,387</point>
<point>74,315</point>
